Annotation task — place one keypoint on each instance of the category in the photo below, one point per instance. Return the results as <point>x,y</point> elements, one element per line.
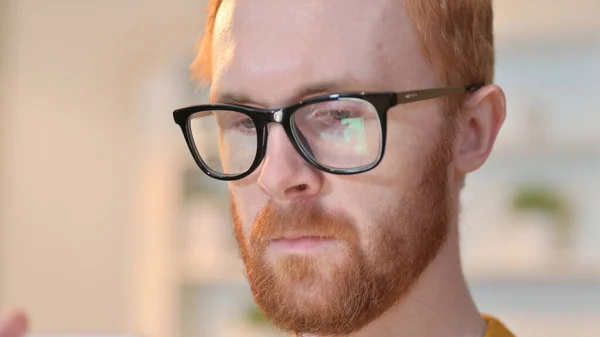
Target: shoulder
<point>495,328</point>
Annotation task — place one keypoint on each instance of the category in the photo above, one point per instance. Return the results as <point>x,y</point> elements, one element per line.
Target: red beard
<point>338,295</point>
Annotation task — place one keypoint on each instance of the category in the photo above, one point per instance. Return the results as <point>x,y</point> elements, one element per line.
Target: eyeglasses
<point>339,134</point>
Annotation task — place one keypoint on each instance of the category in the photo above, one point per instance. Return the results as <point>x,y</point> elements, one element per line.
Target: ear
<point>480,120</point>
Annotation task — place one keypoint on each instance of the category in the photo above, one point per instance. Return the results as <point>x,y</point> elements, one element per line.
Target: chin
<point>312,271</point>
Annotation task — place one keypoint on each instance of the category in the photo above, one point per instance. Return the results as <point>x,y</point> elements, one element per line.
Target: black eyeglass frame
<point>382,101</point>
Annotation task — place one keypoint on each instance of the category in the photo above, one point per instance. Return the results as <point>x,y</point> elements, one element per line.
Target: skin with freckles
<point>382,255</point>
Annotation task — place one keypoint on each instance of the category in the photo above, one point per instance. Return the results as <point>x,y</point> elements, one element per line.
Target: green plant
<point>549,201</point>
<point>538,198</point>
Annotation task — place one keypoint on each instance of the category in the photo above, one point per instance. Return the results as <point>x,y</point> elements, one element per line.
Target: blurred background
<point>107,225</point>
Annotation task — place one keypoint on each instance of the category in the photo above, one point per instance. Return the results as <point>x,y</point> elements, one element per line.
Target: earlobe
<point>483,114</point>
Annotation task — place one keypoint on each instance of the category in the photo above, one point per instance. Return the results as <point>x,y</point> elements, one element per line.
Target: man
<point>345,130</point>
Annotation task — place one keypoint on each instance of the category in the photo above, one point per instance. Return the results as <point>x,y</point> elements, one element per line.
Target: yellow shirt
<point>495,328</point>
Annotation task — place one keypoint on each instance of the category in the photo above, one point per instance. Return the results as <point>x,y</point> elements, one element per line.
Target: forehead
<point>271,50</point>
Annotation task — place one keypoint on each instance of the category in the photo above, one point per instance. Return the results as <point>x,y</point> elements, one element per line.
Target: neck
<point>439,305</point>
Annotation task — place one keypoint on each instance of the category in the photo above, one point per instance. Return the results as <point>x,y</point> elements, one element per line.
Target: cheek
<point>373,199</point>
<point>411,137</point>
<point>373,193</point>
<point>365,204</point>
<point>248,201</point>
<point>368,236</point>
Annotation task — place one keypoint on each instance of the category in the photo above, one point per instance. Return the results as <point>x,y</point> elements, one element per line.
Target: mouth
<point>301,243</point>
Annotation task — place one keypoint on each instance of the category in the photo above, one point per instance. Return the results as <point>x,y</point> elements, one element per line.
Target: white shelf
<point>545,274</point>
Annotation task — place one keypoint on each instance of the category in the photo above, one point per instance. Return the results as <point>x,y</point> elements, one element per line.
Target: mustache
<point>300,219</point>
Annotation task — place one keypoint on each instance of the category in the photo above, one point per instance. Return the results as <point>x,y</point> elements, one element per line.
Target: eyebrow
<point>322,88</point>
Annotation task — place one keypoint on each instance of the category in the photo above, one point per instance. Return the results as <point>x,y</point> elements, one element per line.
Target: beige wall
<point>82,233</point>
<point>522,21</point>
<point>5,59</point>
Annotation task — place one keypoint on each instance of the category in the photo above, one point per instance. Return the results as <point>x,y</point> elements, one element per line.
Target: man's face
<point>327,253</point>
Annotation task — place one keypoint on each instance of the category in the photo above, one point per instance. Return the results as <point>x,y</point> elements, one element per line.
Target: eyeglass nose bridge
<point>277,116</point>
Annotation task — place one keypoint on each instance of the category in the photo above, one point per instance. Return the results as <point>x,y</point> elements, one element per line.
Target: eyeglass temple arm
<point>421,95</point>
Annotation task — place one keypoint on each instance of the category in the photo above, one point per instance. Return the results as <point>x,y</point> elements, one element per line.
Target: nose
<point>285,175</point>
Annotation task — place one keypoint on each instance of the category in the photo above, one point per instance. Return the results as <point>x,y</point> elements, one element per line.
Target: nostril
<point>302,187</point>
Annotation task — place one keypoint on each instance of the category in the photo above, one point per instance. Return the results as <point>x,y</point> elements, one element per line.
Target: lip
<point>300,243</point>
<point>296,236</point>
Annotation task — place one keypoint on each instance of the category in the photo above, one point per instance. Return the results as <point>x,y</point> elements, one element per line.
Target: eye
<point>339,114</point>
<point>235,121</point>
<point>247,123</point>
<point>333,114</point>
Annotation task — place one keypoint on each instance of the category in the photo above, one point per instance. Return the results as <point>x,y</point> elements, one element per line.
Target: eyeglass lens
<point>338,134</point>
